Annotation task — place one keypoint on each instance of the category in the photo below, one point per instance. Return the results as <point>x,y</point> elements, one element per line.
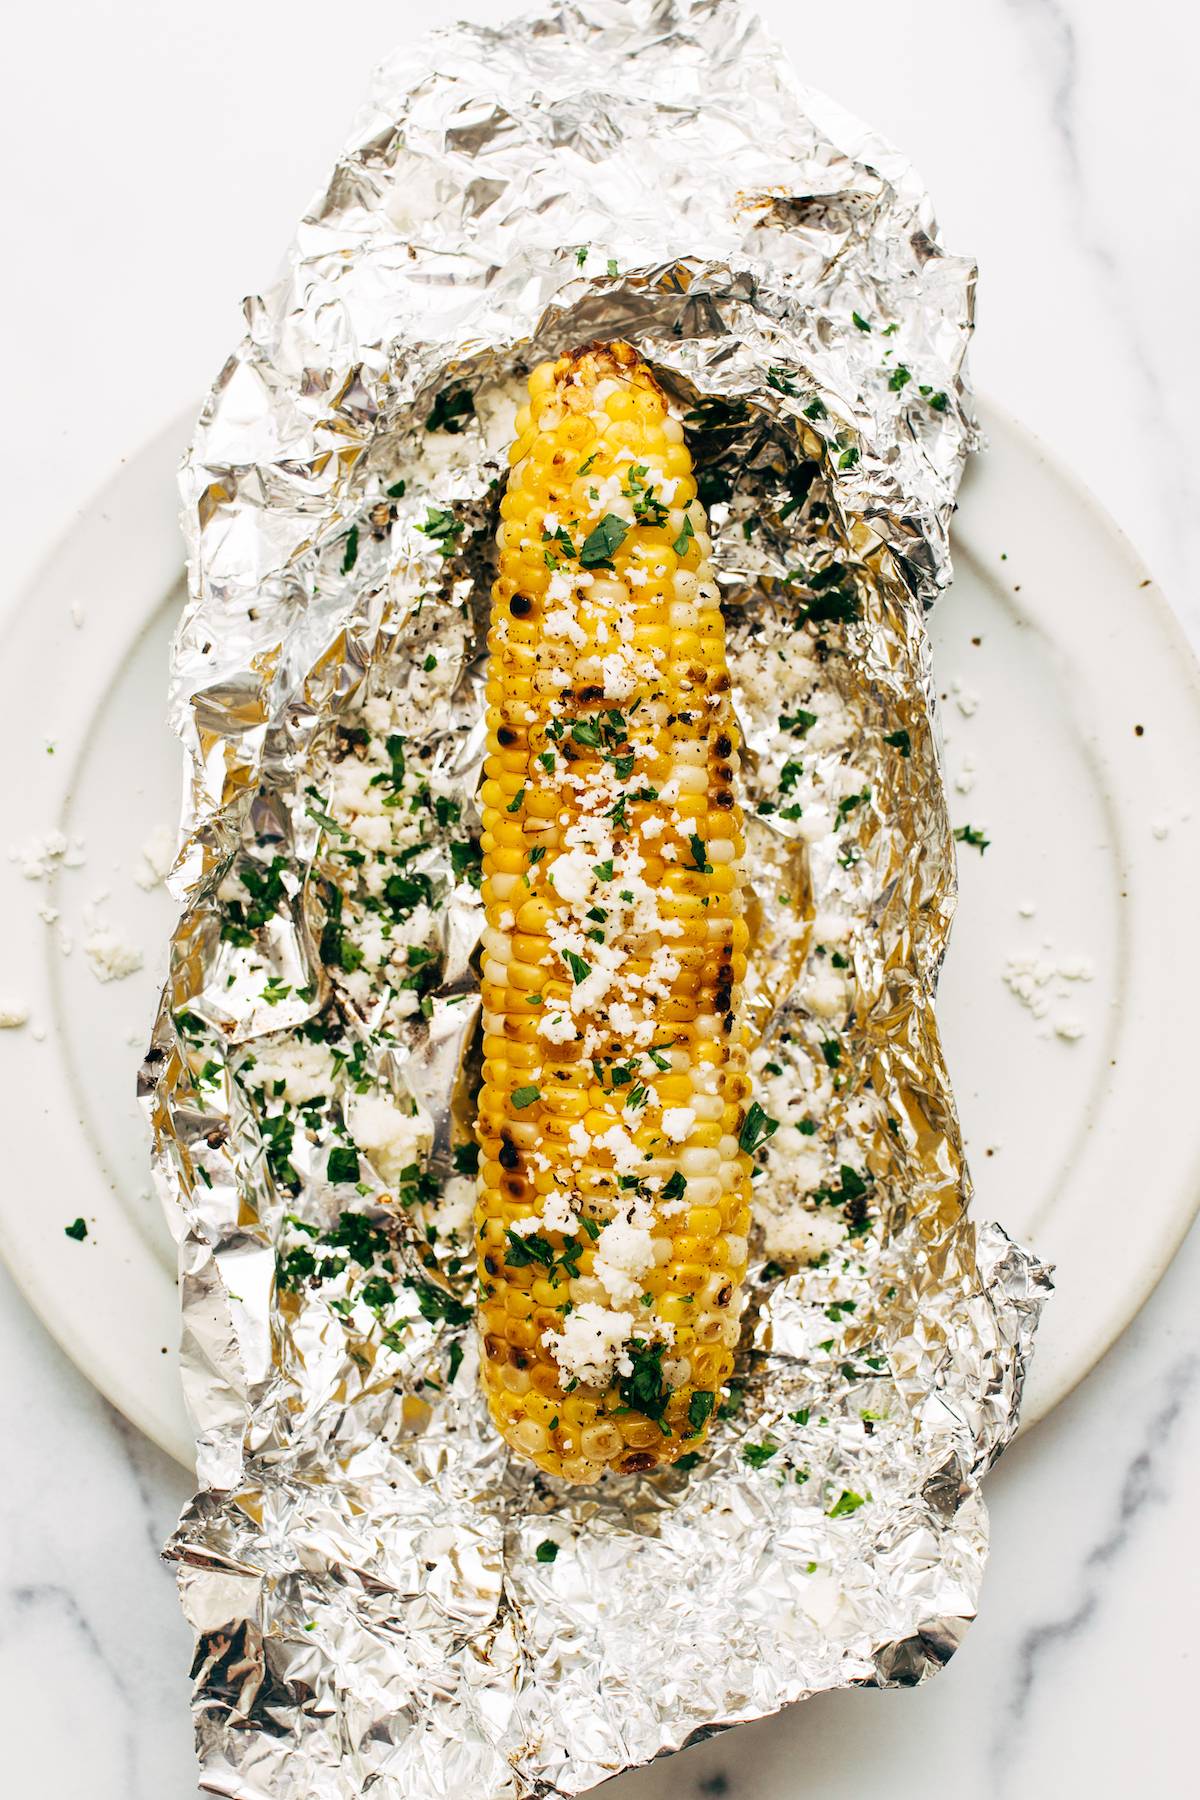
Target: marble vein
<point>1141,1489</point>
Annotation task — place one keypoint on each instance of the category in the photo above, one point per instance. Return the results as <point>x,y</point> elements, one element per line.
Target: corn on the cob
<point>613,1203</point>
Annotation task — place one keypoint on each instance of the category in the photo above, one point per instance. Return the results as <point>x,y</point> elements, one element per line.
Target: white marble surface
<point>1055,135</point>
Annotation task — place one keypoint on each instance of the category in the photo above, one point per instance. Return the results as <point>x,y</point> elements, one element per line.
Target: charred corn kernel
<point>613,1200</point>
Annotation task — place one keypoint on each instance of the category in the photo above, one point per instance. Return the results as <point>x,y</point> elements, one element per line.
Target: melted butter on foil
<point>366,1571</point>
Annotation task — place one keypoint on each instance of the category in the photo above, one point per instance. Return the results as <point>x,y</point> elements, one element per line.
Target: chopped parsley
<point>350,554</point>
<point>700,1408</point>
<point>525,1096</point>
<point>970,834</point>
<point>466,860</point>
<point>579,969</point>
<point>680,546</point>
<point>758,1455</point>
<point>78,1230</point>
<point>443,528</point>
<point>601,544</point>
<point>645,1388</point>
<point>847,1502</point>
<point>899,740</point>
<point>451,410</point>
<point>756,1128</point>
<point>343,1164</point>
<point>466,1159</point>
<point>546,1551</point>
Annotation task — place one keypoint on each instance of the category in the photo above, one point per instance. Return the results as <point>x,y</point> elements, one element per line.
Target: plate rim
<point>157,555</point>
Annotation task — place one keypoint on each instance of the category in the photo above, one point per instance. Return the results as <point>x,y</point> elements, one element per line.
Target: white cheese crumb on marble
<point>111,958</point>
<point>13,1014</point>
<point>964,781</point>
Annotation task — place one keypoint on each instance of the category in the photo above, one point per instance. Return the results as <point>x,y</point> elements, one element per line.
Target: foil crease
<point>364,1567</point>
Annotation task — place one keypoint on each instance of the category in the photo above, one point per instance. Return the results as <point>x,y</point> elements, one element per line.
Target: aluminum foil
<point>383,1601</point>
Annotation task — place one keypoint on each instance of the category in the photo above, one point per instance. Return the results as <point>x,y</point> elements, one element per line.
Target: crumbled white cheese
<point>557,1212</point>
<point>392,1139</point>
<point>965,698</point>
<point>36,858</point>
<point>799,1234</point>
<point>156,858</point>
<point>590,1342</point>
<point>13,1014</point>
<point>562,624</point>
<point>557,1028</point>
<point>964,781</point>
<point>305,1069</point>
<point>111,958</point>
<point>1038,977</point>
<point>825,991</point>
<point>621,1147</point>
<point>571,875</point>
<point>624,1252</point>
<point>677,1122</point>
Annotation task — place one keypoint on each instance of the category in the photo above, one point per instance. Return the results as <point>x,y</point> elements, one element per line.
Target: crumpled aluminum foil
<point>361,1565</point>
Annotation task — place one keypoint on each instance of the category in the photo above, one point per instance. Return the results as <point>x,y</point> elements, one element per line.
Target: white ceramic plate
<point>1051,649</point>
